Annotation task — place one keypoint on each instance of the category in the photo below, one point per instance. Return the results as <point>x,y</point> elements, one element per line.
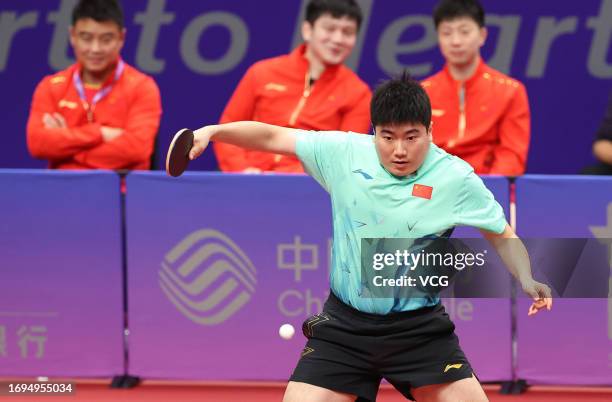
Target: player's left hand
<point>54,120</point>
<point>541,294</point>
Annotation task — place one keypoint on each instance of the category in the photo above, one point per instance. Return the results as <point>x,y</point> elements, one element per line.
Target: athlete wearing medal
<point>99,113</point>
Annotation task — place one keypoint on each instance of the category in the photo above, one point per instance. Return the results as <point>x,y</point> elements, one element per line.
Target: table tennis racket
<point>178,153</point>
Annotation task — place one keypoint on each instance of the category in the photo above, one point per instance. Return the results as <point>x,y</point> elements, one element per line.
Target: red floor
<point>149,391</point>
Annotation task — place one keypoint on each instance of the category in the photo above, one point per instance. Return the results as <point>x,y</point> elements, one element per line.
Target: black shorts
<point>350,351</point>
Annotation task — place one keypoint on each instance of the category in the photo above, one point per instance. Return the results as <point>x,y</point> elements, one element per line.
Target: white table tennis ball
<point>286,331</point>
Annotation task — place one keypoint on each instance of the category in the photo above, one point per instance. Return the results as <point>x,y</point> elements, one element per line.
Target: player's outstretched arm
<point>514,255</point>
<point>247,134</point>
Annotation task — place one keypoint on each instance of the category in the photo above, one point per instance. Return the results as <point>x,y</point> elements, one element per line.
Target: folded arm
<point>48,137</point>
<point>134,145</point>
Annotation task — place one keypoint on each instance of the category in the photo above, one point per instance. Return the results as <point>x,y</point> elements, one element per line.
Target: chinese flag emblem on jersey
<point>419,190</point>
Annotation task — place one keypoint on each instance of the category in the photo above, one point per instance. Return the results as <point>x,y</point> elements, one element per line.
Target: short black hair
<point>447,10</point>
<point>100,11</point>
<point>337,9</point>
<point>399,101</point>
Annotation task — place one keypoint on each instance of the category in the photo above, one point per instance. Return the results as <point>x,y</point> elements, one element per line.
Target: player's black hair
<point>399,101</point>
<point>447,10</point>
<point>337,8</point>
<point>99,10</point>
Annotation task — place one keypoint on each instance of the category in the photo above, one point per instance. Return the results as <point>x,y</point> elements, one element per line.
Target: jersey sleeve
<point>477,207</point>
<point>322,154</point>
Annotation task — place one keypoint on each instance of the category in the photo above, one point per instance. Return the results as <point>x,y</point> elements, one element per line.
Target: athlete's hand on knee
<point>201,138</point>
<point>541,294</point>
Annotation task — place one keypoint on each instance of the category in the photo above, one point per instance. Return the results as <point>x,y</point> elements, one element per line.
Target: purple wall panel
<point>61,311</point>
<point>572,344</point>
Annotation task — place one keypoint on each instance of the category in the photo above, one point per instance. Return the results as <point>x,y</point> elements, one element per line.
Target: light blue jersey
<point>369,202</point>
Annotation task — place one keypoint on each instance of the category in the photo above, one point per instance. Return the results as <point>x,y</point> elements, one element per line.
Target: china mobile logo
<point>207,277</point>
<point>604,234</point>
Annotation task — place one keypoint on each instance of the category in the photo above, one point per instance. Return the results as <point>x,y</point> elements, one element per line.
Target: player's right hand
<point>110,133</point>
<point>201,138</point>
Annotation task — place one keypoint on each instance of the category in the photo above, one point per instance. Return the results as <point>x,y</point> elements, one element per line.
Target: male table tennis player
<point>396,183</point>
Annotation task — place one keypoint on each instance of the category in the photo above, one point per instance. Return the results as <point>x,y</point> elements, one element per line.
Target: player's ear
<point>306,31</point>
<point>72,34</point>
<point>122,33</point>
<point>430,130</point>
<point>483,35</point>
